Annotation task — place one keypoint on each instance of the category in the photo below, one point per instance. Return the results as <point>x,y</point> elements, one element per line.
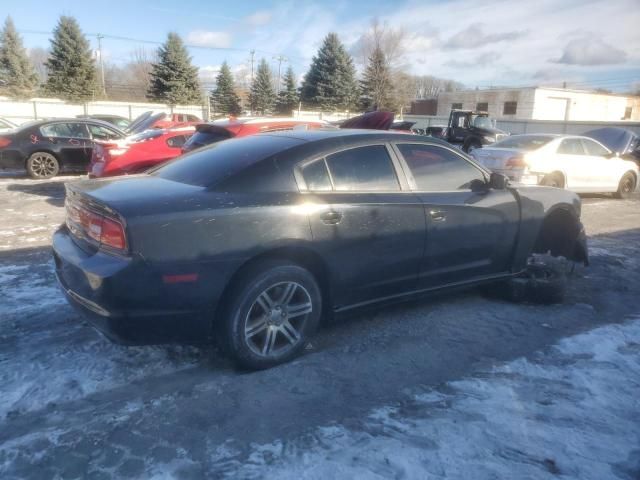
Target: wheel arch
<point>561,234</point>
<point>562,175</point>
<point>301,255</point>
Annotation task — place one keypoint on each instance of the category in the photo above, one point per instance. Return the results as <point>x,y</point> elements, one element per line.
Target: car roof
<point>354,133</point>
<point>39,123</point>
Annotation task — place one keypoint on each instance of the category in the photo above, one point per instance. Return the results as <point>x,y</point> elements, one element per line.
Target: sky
<point>588,43</point>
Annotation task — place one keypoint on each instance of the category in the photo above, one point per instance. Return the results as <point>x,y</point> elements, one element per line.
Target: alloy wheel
<point>276,320</point>
<point>43,165</point>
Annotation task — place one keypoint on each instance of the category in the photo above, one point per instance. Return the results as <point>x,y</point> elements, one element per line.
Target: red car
<point>137,153</point>
<point>149,120</point>
<point>208,133</point>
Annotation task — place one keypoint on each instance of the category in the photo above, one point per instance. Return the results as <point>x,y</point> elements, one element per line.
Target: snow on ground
<point>572,411</point>
<point>40,334</point>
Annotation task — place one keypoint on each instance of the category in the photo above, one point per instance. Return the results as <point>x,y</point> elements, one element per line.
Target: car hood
<point>615,139</point>
<point>138,195</point>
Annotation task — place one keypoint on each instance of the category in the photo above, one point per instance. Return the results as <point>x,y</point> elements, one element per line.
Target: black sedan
<point>253,240</point>
<point>47,147</point>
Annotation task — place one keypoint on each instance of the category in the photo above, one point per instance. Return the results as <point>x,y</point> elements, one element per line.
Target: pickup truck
<point>468,130</point>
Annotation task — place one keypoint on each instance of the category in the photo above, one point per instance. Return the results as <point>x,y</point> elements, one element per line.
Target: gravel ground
<point>460,386</point>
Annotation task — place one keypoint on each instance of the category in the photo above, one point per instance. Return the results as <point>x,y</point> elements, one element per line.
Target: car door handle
<point>437,215</point>
<point>331,218</point>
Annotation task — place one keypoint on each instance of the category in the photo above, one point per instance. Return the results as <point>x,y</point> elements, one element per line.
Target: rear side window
<point>571,146</point>
<point>363,169</point>
<point>438,169</point>
<point>593,148</point>
<point>68,130</point>
<point>316,176</point>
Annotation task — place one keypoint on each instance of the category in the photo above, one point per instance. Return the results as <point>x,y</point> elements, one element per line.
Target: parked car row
<point>45,148</point>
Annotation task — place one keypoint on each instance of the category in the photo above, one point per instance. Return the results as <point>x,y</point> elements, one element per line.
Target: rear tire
<point>627,186</point>
<point>554,180</point>
<point>41,165</point>
<point>273,310</point>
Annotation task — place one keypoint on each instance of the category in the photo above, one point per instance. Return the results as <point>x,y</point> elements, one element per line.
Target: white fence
<point>531,126</point>
<point>39,108</point>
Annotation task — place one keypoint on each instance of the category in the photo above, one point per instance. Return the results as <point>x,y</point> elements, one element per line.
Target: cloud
<point>591,50</point>
<point>474,37</point>
<point>484,60</point>
<point>208,73</point>
<point>261,17</point>
<point>204,38</point>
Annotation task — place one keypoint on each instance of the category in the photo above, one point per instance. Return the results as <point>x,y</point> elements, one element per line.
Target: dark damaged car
<point>251,241</point>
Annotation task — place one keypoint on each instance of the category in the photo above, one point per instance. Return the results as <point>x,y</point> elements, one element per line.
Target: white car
<point>576,163</point>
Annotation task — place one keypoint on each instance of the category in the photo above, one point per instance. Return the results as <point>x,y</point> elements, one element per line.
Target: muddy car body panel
<point>186,231</point>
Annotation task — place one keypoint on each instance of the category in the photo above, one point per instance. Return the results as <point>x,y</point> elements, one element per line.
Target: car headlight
<point>489,139</point>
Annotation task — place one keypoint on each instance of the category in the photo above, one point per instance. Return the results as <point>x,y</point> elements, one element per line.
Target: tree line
<point>330,84</point>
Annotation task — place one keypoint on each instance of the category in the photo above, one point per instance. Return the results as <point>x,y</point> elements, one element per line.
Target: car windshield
<point>524,142</point>
<point>482,122</point>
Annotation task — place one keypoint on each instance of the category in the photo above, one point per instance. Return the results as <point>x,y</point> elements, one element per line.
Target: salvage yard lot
<point>459,386</point>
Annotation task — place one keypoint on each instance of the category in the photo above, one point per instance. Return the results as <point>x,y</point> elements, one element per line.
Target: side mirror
<point>478,186</point>
<point>498,181</point>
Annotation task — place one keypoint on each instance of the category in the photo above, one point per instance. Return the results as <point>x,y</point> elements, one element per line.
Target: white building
<point>538,103</point>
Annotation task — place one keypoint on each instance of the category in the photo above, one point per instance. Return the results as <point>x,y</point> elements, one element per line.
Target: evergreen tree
<point>377,84</point>
<point>173,79</point>
<point>262,96</point>
<point>288,97</point>
<point>330,82</point>
<point>17,76</point>
<point>71,69</point>
<point>224,98</point>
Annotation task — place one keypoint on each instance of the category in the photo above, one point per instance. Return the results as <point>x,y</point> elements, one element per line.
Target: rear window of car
<point>524,142</point>
<point>200,139</point>
<point>220,161</point>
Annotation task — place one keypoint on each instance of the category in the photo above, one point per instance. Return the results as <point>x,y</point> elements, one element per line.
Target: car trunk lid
<point>499,158</point>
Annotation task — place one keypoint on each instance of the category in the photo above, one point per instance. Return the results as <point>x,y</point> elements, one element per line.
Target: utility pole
<point>280,59</point>
<point>104,88</point>
<point>252,52</point>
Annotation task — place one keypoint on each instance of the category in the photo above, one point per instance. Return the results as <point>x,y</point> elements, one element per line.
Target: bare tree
<point>130,81</point>
<point>428,86</point>
<point>390,41</point>
<point>38,57</point>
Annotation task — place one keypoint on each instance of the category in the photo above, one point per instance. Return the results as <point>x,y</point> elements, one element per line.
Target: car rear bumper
<point>97,284</point>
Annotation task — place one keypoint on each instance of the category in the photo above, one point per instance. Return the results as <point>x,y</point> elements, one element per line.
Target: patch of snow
<point>571,412</point>
<point>40,333</point>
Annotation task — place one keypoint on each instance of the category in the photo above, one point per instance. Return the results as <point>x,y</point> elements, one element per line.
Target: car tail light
<point>516,162</point>
<point>4,142</point>
<point>101,229</point>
